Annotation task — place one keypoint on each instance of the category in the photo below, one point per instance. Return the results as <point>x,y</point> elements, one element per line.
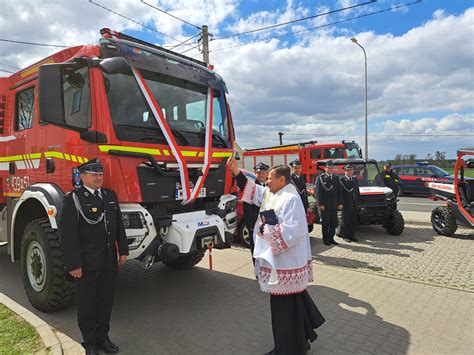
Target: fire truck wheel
<point>317,217</point>
<point>42,267</point>
<point>244,235</point>
<point>396,224</point>
<point>186,261</point>
<point>443,221</point>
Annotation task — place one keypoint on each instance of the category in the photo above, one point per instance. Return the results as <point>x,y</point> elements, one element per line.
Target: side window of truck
<point>77,98</point>
<point>316,154</point>
<point>25,102</point>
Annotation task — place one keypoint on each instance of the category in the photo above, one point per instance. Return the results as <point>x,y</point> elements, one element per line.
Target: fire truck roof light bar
<point>108,33</point>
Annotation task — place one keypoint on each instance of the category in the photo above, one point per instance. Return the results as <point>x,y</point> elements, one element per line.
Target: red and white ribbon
<point>207,147</point>
<point>161,120</point>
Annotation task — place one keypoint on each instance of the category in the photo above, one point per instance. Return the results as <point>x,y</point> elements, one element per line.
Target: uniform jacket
<point>390,179</point>
<point>92,246</point>
<point>350,192</point>
<point>300,185</point>
<point>328,191</point>
<point>251,212</point>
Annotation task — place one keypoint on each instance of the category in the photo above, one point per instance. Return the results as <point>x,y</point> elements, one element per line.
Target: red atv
<point>459,197</point>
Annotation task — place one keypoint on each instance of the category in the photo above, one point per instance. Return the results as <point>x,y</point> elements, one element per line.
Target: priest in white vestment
<point>283,258</point>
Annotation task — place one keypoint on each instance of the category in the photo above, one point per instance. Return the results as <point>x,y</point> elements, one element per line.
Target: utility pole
<point>281,137</point>
<point>205,44</point>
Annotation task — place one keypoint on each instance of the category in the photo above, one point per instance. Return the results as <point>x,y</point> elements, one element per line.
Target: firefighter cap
<point>295,162</point>
<point>387,164</point>
<point>261,167</point>
<point>93,166</point>
<point>329,163</point>
<point>348,167</point>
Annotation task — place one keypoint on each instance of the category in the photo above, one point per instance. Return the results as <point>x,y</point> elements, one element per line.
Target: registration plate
<point>206,241</point>
<point>179,193</point>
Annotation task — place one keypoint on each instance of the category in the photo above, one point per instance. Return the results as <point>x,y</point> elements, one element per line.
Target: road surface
<point>417,204</point>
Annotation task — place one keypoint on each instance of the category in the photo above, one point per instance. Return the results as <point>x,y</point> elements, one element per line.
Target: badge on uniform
<point>94,209</point>
<point>76,178</point>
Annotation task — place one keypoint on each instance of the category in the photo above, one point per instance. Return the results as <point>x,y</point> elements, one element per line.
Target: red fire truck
<point>308,153</point>
<point>161,125</point>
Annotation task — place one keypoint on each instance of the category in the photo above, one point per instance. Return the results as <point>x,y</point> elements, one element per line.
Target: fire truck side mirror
<point>115,65</point>
<point>50,89</point>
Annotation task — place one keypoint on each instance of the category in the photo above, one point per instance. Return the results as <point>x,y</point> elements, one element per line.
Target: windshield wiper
<point>157,131</point>
<point>222,140</point>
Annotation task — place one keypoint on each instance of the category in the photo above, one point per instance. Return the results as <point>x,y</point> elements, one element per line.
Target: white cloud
<point>449,125</point>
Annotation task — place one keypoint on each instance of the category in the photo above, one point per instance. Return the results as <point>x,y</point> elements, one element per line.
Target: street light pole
<point>366,120</point>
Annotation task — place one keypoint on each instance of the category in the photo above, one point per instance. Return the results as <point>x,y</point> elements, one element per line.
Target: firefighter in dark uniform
<point>300,184</point>
<point>94,242</point>
<point>329,199</point>
<point>390,179</point>
<point>351,199</point>
<point>251,211</point>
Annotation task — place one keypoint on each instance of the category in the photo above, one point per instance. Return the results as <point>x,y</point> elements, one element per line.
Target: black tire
<point>396,224</point>
<point>42,267</point>
<point>314,207</point>
<point>443,221</point>
<point>186,261</point>
<point>244,235</point>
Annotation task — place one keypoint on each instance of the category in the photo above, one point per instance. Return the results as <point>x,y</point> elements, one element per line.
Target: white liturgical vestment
<point>283,252</point>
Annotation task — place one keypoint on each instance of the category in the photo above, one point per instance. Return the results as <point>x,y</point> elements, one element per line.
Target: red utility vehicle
<point>308,153</point>
<point>160,124</point>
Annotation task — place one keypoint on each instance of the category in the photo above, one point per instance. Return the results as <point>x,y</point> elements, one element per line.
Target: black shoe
<point>327,243</point>
<point>108,346</point>
<point>333,242</point>
<point>91,351</point>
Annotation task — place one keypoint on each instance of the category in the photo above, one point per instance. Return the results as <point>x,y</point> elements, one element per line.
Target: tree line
<point>438,158</point>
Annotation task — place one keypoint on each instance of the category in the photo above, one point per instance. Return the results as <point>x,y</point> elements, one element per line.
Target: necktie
<point>97,194</point>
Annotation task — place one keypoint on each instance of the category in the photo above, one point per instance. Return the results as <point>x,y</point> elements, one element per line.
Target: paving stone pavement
<point>419,254</point>
<point>161,311</point>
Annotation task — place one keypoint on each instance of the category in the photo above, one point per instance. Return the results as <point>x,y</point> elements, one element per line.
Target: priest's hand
<point>76,273</point>
<point>322,208</point>
<point>122,259</point>
<point>232,164</point>
<point>339,207</point>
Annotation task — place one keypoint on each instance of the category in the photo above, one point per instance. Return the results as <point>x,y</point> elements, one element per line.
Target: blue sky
<point>309,85</point>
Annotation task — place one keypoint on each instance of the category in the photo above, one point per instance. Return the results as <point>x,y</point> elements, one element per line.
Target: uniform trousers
<point>350,222</point>
<point>94,298</point>
<point>329,224</point>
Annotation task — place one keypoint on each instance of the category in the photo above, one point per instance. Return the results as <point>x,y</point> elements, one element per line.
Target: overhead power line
<point>320,26</point>
<point>169,14</point>
<point>32,43</point>
<point>183,43</point>
<point>10,66</point>
<point>131,20</point>
<point>295,21</point>
<point>6,71</point>
<point>189,49</point>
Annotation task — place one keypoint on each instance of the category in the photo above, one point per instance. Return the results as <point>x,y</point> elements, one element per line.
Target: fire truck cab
<point>308,153</point>
<point>161,125</point>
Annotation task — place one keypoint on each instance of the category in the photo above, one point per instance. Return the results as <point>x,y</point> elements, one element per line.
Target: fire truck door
<point>23,148</point>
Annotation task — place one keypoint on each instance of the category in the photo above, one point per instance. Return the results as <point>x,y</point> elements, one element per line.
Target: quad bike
<point>459,197</point>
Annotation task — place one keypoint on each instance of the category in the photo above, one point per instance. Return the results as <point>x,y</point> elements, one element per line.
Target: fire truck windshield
<point>183,103</point>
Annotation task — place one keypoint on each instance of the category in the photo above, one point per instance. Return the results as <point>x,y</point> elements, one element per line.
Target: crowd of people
<point>276,211</point>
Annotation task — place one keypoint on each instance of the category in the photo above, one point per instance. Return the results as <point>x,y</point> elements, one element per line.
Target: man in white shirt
<point>283,258</point>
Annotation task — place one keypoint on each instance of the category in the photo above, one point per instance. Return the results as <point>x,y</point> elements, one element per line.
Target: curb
<point>56,344</point>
